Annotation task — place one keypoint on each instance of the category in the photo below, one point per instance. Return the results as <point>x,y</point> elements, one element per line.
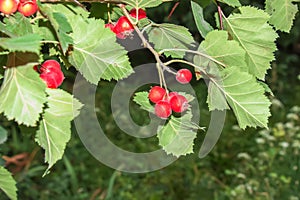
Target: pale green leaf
<point>233,3</point>
<point>26,43</point>
<point>1,76</point>
<point>283,14</point>
<point>141,98</point>
<point>22,95</point>
<point>142,3</point>
<point>227,52</point>
<point>3,135</point>
<point>203,26</point>
<point>8,184</point>
<point>55,127</point>
<point>24,26</point>
<point>170,36</point>
<point>95,52</point>
<point>255,36</point>
<point>61,26</point>
<point>177,136</point>
<point>244,95</point>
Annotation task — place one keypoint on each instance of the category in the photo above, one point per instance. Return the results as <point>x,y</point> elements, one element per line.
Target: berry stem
<point>161,67</point>
<point>194,52</point>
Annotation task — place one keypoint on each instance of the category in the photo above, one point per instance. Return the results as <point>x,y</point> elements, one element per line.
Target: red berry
<point>179,103</point>
<point>184,76</point>
<point>8,6</point>
<point>163,109</point>
<point>171,94</point>
<point>156,94</point>
<point>50,65</point>
<point>28,7</point>
<point>51,73</point>
<point>53,79</point>
<point>141,13</point>
<point>123,27</point>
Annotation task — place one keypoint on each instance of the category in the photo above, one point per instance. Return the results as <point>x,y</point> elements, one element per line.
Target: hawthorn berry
<point>170,95</point>
<point>163,109</point>
<point>123,27</point>
<point>141,13</point>
<point>8,6</point>
<point>184,76</point>
<point>51,73</point>
<point>156,94</point>
<point>179,103</point>
<point>53,79</point>
<point>49,65</point>
<point>27,7</point>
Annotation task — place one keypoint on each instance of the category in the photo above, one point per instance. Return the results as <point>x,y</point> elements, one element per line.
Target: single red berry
<point>141,13</point>
<point>179,103</point>
<point>163,109</point>
<point>8,6</point>
<point>123,28</point>
<point>53,79</point>
<point>50,65</point>
<point>28,7</point>
<point>156,94</point>
<point>184,76</point>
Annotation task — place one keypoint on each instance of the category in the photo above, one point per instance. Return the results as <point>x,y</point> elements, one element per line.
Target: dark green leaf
<point>203,26</point>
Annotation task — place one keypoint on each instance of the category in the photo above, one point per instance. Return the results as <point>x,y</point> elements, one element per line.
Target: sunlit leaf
<point>95,52</point>
<point>22,95</point>
<point>251,30</point>
<point>8,184</point>
<point>55,127</point>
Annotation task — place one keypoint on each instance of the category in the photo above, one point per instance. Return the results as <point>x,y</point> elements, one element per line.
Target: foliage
<point>233,61</point>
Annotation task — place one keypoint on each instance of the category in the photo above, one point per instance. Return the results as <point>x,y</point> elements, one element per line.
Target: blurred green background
<point>256,164</point>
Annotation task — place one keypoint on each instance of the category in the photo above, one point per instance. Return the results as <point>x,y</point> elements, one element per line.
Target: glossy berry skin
<point>123,27</point>
<point>53,79</point>
<point>49,65</point>
<point>179,103</point>
<point>141,13</point>
<point>8,6</point>
<point>156,94</point>
<point>51,73</point>
<point>184,76</point>
<point>163,109</point>
<point>171,94</point>
<point>28,8</point>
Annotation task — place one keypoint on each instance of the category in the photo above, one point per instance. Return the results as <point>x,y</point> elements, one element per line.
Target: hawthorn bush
<point>233,58</point>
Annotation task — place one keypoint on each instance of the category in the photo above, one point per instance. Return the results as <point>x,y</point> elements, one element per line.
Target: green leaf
<point>233,3</point>
<point>8,184</point>
<point>283,13</point>
<point>96,54</point>
<point>170,36</point>
<point>244,95</point>
<point>61,26</point>
<point>203,26</point>
<point>227,52</point>
<point>26,43</point>
<point>3,135</point>
<point>255,36</point>
<point>177,137</point>
<point>142,3</point>
<point>1,76</point>
<point>142,99</point>
<point>24,26</point>
<point>22,95</point>
<point>55,127</point>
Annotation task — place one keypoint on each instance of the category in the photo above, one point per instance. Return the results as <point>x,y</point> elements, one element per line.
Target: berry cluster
<point>166,102</point>
<point>51,73</point>
<point>25,7</point>
<point>123,28</point>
